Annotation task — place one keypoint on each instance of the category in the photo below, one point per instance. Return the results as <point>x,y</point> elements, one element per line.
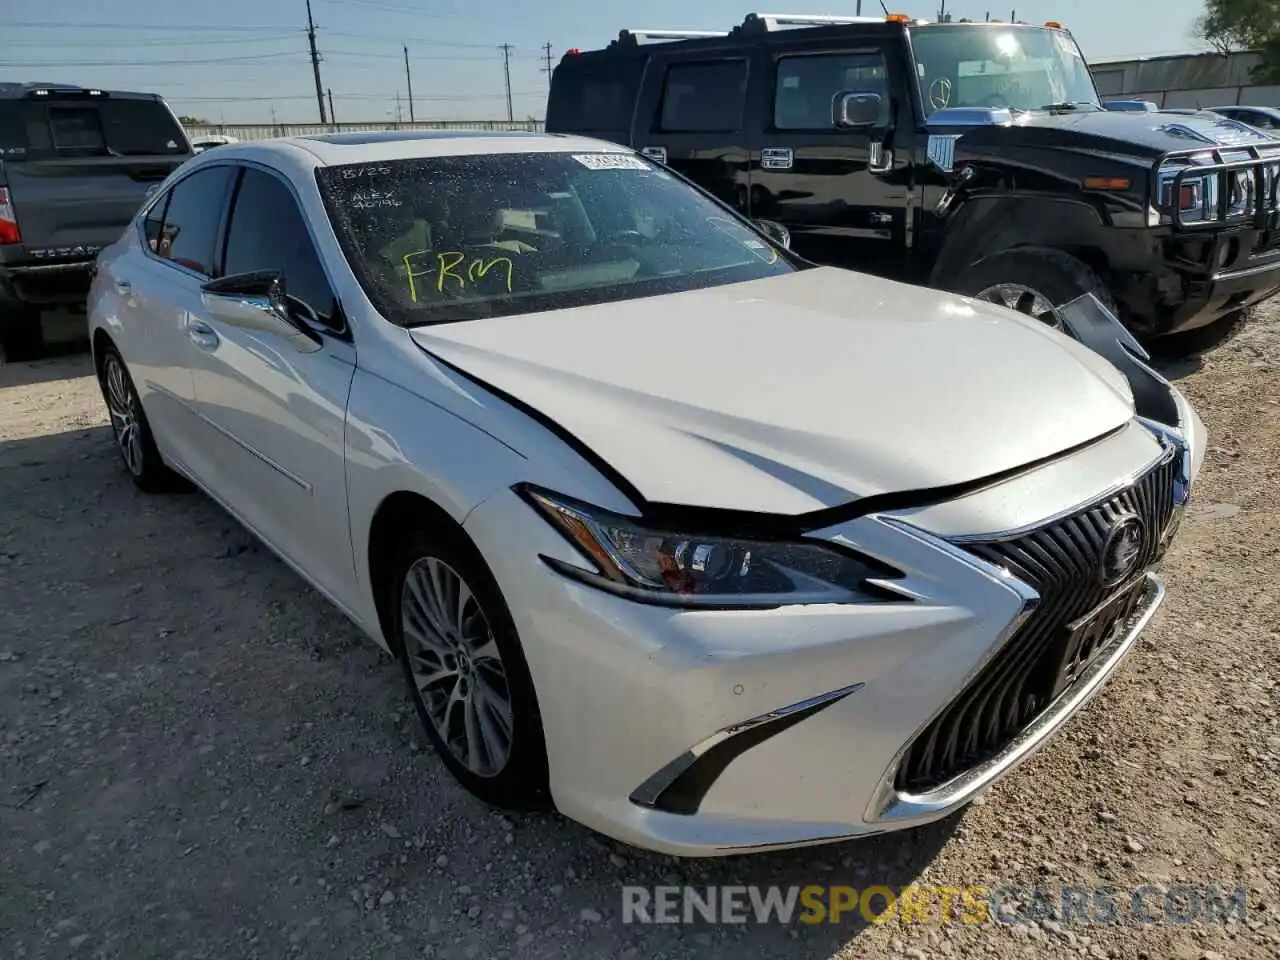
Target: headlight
<point>661,566</point>
<point>1197,196</point>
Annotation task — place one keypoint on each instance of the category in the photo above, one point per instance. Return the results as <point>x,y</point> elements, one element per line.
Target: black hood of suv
<point>1147,135</point>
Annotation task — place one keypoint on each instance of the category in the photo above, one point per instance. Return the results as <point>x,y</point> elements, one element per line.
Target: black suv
<point>75,166</point>
<point>974,157</point>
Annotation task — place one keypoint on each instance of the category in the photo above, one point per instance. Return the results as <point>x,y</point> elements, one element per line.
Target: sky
<point>246,61</point>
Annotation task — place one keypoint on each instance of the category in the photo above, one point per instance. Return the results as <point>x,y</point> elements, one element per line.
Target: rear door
<point>79,166</point>
<point>691,116</point>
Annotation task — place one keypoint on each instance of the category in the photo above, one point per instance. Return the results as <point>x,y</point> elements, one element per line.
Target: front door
<point>277,414</point>
<point>843,193</point>
<point>690,116</point>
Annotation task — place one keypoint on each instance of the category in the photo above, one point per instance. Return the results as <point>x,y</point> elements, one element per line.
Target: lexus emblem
<point>1123,549</point>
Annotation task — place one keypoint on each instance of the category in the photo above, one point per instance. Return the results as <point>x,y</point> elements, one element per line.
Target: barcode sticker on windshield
<point>611,161</point>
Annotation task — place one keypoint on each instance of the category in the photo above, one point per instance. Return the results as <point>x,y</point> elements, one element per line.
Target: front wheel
<point>466,671</point>
<point>1037,283</point>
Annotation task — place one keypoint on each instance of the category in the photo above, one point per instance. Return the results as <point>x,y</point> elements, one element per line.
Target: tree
<point>1231,25</point>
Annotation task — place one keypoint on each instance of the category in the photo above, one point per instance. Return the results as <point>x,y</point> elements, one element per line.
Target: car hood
<point>1118,132</point>
<point>795,393</point>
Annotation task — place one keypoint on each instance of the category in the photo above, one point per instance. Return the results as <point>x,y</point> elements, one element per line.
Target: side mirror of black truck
<point>858,110</point>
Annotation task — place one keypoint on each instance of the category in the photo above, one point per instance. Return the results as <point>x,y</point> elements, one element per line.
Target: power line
<point>506,70</point>
<point>315,62</point>
<point>547,68</point>
<point>408,79</point>
<point>58,64</point>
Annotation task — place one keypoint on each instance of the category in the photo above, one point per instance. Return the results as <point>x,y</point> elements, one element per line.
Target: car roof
<point>10,90</point>
<point>372,147</point>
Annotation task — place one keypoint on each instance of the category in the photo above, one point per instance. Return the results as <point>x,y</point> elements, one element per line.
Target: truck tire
<point>1033,281</point>
<point>1192,343</point>
<point>21,333</point>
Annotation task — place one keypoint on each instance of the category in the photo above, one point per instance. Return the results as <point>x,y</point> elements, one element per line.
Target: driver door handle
<point>202,335</point>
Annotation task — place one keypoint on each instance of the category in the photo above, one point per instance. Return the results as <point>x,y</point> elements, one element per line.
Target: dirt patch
<point>200,758</point>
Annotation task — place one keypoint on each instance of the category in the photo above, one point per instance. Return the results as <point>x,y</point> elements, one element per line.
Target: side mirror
<point>775,232</point>
<point>858,109</point>
<point>257,301</point>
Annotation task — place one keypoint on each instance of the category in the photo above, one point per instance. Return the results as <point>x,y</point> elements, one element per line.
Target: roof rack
<point>755,23</point>
<point>775,21</point>
<point>649,36</point>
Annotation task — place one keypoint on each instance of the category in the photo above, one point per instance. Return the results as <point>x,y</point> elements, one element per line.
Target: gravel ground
<point>200,758</point>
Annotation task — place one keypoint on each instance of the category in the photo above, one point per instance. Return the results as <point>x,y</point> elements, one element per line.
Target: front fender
<point>988,223</point>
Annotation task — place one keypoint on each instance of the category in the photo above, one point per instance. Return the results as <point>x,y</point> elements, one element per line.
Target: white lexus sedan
<point>709,548</point>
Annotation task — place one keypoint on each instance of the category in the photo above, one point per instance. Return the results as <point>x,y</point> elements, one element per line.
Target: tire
<point>1048,279</point>
<point>515,778</point>
<point>130,427</point>
<point>1192,343</point>
<point>21,333</point>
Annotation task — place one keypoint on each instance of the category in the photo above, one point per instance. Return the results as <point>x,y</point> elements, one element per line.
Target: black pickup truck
<point>75,166</point>
<point>974,157</point>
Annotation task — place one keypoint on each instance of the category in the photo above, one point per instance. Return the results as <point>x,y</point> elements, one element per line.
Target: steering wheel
<point>996,99</point>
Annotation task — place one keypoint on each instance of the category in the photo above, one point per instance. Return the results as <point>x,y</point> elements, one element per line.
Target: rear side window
<point>593,97</point>
<point>190,228</point>
<point>804,98</point>
<point>267,232</point>
<point>88,127</point>
<point>704,97</point>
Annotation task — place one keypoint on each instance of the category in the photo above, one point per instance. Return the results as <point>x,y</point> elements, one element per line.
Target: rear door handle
<point>202,335</point>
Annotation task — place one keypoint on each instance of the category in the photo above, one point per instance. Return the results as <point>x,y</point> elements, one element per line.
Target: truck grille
<point>1064,562</point>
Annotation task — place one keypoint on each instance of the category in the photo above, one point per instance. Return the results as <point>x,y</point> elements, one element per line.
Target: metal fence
<point>1190,80</point>
<point>265,131</point>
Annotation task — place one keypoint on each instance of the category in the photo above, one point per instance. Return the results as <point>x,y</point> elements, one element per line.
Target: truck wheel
<point>1192,343</point>
<point>1034,282</point>
<point>21,333</point>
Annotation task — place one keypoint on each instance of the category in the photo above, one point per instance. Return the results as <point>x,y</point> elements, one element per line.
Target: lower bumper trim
<point>889,805</point>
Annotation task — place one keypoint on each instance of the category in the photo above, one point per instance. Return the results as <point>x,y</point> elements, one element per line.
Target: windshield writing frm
<point>451,271</point>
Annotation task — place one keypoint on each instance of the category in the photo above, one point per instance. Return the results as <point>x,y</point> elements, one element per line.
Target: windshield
<point>88,127</point>
<point>989,65</point>
<point>461,237</point>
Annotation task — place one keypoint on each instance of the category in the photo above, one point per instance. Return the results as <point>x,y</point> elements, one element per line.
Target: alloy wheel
<point>1025,300</point>
<point>457,667</point>
<point>122,405</point>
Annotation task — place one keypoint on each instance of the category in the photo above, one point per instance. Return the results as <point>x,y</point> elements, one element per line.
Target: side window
<point>153,225</point>
<point>704,97</point>
<point>191,219</point>
<point>804,97</point>
<point>268,232</point>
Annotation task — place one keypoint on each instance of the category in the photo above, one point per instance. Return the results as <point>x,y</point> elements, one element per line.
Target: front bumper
<point>818,704</point>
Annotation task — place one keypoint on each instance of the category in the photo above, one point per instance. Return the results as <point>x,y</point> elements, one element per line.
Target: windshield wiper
<point>1068,105</point>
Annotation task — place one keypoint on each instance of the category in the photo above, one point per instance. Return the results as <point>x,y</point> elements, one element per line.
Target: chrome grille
<point>1062,561</point>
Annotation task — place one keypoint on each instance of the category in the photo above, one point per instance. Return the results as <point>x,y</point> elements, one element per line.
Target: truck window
<point>84,127</point>
<point>1022,68</point>
<point>704,97</point>
<point>593,98</point>
<point>806,89</point>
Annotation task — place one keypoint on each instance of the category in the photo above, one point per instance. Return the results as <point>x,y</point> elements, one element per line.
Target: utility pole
<point>506,70</point>
<point>315,63</point>
<point>399,115</point>
<point>333,117</point>
<point>408,78</point>
<point>546,57</point>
